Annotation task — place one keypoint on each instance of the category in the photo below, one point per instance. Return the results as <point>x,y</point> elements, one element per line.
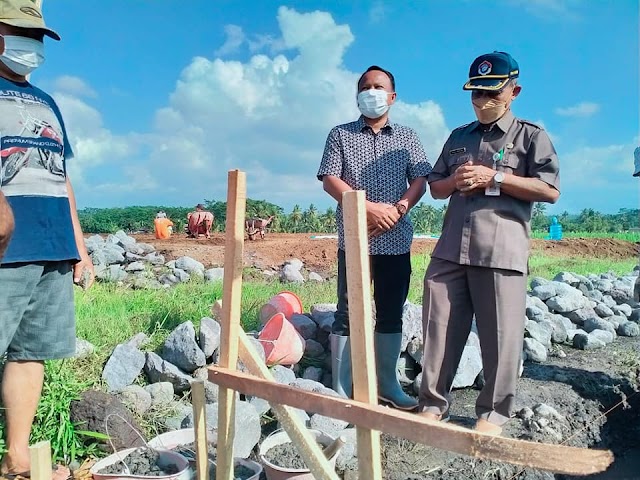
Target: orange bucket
<point>282,343</point>
<point>287,303</point>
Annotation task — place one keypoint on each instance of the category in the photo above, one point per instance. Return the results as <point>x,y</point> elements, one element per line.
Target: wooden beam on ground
<point>231,305</point>
<point>543,456</point>
<point>200,429</point>
<point>40,458</point>
<point>365,383</point>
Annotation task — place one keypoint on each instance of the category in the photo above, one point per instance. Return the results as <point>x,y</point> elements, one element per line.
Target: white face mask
<point>22,54</point>
<point>372,103</point>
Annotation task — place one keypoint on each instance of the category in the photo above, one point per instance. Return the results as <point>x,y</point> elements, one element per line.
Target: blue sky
<point>163,97</point>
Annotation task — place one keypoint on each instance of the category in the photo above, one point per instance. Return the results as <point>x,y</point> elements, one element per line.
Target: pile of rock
<point>569,311</point>
<point>121,259</point>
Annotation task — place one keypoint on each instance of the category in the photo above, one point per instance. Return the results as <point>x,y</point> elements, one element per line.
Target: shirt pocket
<point>454,161</point>
<point>511,163</point>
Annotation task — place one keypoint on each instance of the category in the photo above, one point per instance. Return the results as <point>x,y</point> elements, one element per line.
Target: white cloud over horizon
<point>582,109</point>
<point>268,116</point>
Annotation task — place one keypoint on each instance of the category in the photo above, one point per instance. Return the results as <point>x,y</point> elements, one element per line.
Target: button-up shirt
<point>381,164</point>
<point>493,231</point>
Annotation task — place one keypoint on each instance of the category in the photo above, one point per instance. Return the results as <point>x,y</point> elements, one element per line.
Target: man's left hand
<point>84,273</point>
<point>470,177</point>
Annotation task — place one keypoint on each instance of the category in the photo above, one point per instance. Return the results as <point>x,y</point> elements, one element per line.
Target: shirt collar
<point>503,123</point>
<point>362,125</point>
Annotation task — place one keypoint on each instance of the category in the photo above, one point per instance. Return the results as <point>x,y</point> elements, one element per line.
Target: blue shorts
<point>37,317</point>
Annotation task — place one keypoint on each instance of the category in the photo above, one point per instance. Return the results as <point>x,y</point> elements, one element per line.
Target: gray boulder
<point>182,350</point>
<point>534,350</point>
<point>159,370</point>
<point>209,336</point>
<point>247,421</point>
<point>123,367</point>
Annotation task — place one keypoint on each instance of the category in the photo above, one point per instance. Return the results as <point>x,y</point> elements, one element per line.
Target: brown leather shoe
<point>484,426</point>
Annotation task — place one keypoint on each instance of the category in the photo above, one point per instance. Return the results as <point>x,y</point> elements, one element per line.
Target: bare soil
<point>320,254</point>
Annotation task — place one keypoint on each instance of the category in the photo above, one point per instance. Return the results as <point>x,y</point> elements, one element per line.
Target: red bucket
<point>282,343</point>
<point>287,303</point>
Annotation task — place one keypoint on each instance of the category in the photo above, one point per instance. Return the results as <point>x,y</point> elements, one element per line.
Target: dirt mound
<point>320,254</point>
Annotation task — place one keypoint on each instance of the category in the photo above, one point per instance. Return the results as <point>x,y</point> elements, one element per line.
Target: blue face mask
<point>22,54</point>
<point>372,103</point>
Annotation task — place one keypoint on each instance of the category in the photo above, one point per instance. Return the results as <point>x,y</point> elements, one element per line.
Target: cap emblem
<point>484,68</point>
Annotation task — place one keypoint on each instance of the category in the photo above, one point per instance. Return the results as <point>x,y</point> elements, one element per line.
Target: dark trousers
<point>390,275</point>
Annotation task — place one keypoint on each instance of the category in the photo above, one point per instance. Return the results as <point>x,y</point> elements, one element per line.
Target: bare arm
<point>417,188</point>
<point>6,224</point>
<point>444,188</point>
<point>335,187</point>
<point>85,261</point>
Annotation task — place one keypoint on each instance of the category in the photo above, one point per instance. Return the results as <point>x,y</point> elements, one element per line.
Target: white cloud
<point>550,9</point>
<point>377,12</point>
<point>74,86</point>
<point>598,177</point>
<point>268,116</point>
<point>92,143</point>
<point>583,109</point>
<point>235,39</point>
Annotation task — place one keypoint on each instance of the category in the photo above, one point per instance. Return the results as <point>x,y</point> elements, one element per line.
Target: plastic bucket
<point>279,437</point>
<point>167,457</point>
<point>287,303</point>
<point>255,467</point>
<point>282,343</point>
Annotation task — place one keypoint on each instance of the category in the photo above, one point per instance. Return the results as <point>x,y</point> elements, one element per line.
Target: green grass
<point>108,315</point>
<point>628,236</point>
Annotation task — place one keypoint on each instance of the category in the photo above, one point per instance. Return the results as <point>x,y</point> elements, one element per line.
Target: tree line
<point>427,219</point>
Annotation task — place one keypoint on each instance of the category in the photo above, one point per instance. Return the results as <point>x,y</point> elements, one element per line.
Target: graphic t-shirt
<point>34,148</point>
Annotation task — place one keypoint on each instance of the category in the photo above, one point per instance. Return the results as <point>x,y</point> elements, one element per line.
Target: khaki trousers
<point>453,293</point>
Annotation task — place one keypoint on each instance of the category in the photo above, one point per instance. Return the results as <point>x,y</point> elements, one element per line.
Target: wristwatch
<point>402,209</point>
<point>498,178</point>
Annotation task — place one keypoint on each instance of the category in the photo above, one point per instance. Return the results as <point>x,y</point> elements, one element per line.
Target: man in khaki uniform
<point>492,170</point>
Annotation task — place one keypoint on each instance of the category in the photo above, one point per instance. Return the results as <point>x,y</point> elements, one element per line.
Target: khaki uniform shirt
<point>493,231</point>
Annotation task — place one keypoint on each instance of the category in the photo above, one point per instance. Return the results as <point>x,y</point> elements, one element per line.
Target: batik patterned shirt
<point>382,164</point>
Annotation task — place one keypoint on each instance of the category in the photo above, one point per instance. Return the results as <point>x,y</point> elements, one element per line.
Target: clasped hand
<point>381,217</point>
<point>469,177</point>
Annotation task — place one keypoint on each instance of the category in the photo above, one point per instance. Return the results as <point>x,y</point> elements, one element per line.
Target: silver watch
<point>498,178</point>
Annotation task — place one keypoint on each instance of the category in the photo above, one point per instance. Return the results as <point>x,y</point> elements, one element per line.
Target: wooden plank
<point>290,421</point>
<point>231,304</point>
<point>543,456</point>
<point>40,458</point>
<point>200,425</point>
<point>365,383</point>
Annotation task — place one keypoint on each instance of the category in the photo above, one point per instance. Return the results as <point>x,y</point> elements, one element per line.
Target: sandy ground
<point>320,254</point>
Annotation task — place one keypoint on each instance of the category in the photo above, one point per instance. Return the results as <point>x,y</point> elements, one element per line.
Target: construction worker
<point>163,226</point>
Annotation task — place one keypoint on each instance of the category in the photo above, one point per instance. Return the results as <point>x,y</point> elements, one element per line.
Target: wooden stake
<point>554,458</point>
<point>40,457</point>
<point>299,434</point>
<point>200,425</point>
<point>365,386</point>
<point>231,305</point>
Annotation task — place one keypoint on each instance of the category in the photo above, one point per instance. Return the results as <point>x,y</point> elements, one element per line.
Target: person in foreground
<point>388,161</point>
<point>6,224</point>
<point>492,170</point>
<point>46,253</point>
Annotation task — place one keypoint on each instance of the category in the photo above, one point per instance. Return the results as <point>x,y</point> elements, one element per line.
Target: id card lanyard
<point>493,190</point>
